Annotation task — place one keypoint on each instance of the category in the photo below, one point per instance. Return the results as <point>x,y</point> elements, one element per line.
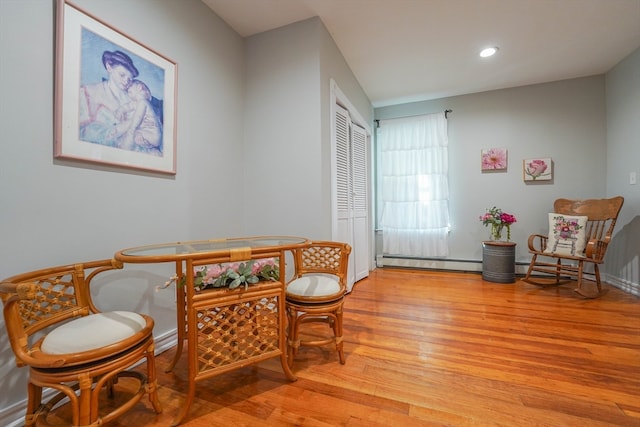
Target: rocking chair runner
<point>602,215</point>
<point>72,348</point>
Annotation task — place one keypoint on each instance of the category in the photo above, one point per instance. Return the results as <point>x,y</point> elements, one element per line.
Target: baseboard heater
<point>441,264</point>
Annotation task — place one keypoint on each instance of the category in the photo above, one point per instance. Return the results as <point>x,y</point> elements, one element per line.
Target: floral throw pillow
<point>566,235</point>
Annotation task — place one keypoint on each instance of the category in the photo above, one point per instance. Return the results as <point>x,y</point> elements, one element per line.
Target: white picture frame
<point>537,169</point>
<point>115,98</point>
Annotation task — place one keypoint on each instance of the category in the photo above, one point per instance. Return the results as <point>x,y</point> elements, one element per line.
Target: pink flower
<point>495,158</point>
<point>506,218</point>
<point>213,272</point>
<point>536,168</point>
<point>230,274</point>
<point>259,264</point>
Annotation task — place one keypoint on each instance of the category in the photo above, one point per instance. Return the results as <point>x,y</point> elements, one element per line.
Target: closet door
<point>359,201</point>
<point>352,193</point>
<point>343,184</point>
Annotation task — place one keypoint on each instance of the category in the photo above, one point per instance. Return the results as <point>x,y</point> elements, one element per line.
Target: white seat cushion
<point>93,331</point>
<point>312,285</point>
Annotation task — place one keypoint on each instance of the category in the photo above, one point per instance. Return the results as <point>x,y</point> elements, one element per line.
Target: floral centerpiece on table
<point>498,220</point>
<point>231,275</point>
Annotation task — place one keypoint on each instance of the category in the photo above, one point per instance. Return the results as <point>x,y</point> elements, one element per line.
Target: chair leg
<point>580,267</point>
<point>34,401</point>
<point>109,387</point>
<point>337,330</point>
<point>84,401</point>
<point>596,273</point>
<point>530,269</point>
<point>558,270</point>
<point>292,335</point>
<point>152,385</point>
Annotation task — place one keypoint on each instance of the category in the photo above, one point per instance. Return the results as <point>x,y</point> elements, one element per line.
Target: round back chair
<point>74,349</point>
<point>316,293</point>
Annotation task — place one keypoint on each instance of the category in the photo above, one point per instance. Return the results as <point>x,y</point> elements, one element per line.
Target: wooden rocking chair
<point>601,216</point>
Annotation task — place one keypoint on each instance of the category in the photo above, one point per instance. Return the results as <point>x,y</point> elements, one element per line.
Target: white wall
<point>623,157</point>
<point>563,120</point>
<point>287,138</point>
<point>56,212</point>
<point>282,141</point>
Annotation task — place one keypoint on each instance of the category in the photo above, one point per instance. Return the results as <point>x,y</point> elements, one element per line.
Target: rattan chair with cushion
<point>75,353</point>
<point>579,233</point>
<point>316,294</point>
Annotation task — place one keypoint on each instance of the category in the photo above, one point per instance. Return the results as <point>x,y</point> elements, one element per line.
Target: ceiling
<point>413,50</point>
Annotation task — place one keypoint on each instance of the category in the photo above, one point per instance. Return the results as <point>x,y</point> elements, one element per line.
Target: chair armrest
<point>537,242</point>
<point>91,270</point>
<point>17,291</point>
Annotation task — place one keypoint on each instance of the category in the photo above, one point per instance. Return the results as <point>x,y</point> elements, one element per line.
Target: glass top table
<point>198,249</point>
<point>224,329</point>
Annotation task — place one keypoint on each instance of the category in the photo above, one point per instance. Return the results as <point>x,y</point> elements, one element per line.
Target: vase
<point>496,232</point>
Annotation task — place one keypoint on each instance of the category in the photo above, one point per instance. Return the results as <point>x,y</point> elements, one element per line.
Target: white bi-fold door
<point>352,192</point>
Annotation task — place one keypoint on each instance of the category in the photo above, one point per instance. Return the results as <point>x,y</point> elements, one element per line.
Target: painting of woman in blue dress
<point>119,105</point>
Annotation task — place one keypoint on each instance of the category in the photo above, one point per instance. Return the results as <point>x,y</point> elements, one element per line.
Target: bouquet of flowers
<point>498,220</point>
<point>234,275</point>
<point>231,275</point>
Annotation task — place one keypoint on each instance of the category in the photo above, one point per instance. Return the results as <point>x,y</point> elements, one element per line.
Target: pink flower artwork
<point>537,169</point>
<point>494,159</point>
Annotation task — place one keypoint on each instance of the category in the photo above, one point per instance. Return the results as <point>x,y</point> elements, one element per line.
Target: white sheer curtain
<point>413,188</point>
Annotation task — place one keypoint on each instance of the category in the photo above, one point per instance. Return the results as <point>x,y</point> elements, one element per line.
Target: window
<point>412,185</point>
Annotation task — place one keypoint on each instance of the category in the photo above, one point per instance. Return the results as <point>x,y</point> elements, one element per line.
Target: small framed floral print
<point>538,169</point>
<point>494,159</point>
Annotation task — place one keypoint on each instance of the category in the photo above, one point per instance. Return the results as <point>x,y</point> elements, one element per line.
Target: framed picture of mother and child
<point>115,99</point>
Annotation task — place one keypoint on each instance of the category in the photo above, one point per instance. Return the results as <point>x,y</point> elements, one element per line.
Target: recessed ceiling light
<point>490,51</point>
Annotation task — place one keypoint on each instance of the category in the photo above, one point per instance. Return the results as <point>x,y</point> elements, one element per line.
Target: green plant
<point>231,275</point>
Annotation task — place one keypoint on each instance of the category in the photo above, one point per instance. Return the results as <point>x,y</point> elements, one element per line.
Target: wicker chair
<point>602,215</point>
<point>70,347</point>
<point>316,293</point>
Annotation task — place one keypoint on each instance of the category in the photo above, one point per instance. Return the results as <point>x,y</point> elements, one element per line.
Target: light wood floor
<point>439,349</point>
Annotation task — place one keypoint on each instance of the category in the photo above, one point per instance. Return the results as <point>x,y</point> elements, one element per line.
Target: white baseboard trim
<point>439,264</point>
<point>622,284</point>
<point>166,341</point>
<point>13,416</point>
